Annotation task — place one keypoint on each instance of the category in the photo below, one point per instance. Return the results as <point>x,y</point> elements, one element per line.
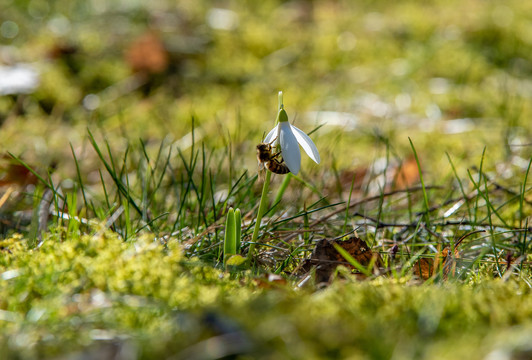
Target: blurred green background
<point>453,75</point>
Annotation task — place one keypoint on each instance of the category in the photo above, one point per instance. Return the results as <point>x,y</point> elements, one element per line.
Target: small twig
<point>380,224</point>
<point>470,223</point>
<point>466,235</point>
<point>367,199</point>
<point>509,191</point>
<point>498,186</point>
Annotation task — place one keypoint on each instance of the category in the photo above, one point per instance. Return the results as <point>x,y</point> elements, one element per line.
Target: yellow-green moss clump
<point>99,293</point>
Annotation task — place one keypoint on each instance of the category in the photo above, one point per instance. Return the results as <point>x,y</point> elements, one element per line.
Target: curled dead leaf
<point>445,261</point>
<point>325,258</point>
<point>12,173</point>
<point>147,54</point>
<point>406,174</point>
<point>425,268</point>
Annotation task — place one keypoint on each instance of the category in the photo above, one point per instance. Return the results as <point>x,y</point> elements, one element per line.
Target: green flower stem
<point>263,206</point>
<point>281,191</point>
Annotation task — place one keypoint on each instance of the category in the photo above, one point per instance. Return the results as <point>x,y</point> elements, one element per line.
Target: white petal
<point>307,144</point>
<point>272,135</point>
<point>290,148</point>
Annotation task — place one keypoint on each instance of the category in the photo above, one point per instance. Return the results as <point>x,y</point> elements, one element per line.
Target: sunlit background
<point>455,76</point>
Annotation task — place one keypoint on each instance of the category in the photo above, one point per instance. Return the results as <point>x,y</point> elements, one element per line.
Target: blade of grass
<point>460,185</point>
<point>262,209</point>
<point>112,172</point>
<point>489,208</point>
<point>281,191</point>
<point>479,192</point>
<point>80,180</point>
<point>351,260</point>
<point>34,224</point>
<point>73,221</point>
<point>424,190</point>
<point>382,188</point>
<point>485,196</point>
<point>303,213</point>
<point>182,203</point>
<point>522,195</point>
<point>212,180</point>
<point>106,195</point>
<point>49,185</point>
<point>306,227</point>
<point>348,204</point>
<point>234,191</point>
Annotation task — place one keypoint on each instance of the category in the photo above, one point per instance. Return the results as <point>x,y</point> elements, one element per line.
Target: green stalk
<point>230,235</point>
<point>263,206</point>
<point>281,191</point>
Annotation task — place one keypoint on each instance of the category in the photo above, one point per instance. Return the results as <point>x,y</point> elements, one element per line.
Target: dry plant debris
<point>325,258</point>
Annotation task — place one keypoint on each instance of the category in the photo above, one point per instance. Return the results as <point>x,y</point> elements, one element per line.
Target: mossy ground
<point>100,295</point>
<point>145,154</point>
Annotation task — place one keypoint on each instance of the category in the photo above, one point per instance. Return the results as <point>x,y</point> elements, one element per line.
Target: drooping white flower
<point>290,137</point>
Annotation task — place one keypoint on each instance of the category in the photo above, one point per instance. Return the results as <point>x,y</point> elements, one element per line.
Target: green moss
<point>67,295</point>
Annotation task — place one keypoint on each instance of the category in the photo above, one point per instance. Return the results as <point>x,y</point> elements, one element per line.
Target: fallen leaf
<point>406,175</point>
<point>325,258</point>
<point>13,173</point>
<point>425,268</point>
<point>147,54</point>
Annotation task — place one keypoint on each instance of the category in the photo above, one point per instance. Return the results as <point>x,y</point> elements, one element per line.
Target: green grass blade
<point>281,190</point>
<point>424,190</point>
<point>348,204</point>
<point>124,190</point>
<point>238,229</point>
<point>479,192</point>
<point>80,180</point>
<point>48,184</point>
<point>351,260</point>
<point>459,184</point>
<point>522,195</point>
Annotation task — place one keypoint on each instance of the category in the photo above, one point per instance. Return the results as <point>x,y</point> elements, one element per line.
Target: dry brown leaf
<point>407,174</point>
<point>425,268</point>
<point>325,258</point>
<point>147,54</point>
<point>13,173</point>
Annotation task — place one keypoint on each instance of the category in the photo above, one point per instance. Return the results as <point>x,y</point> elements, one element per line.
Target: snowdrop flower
<point>290,137</point>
